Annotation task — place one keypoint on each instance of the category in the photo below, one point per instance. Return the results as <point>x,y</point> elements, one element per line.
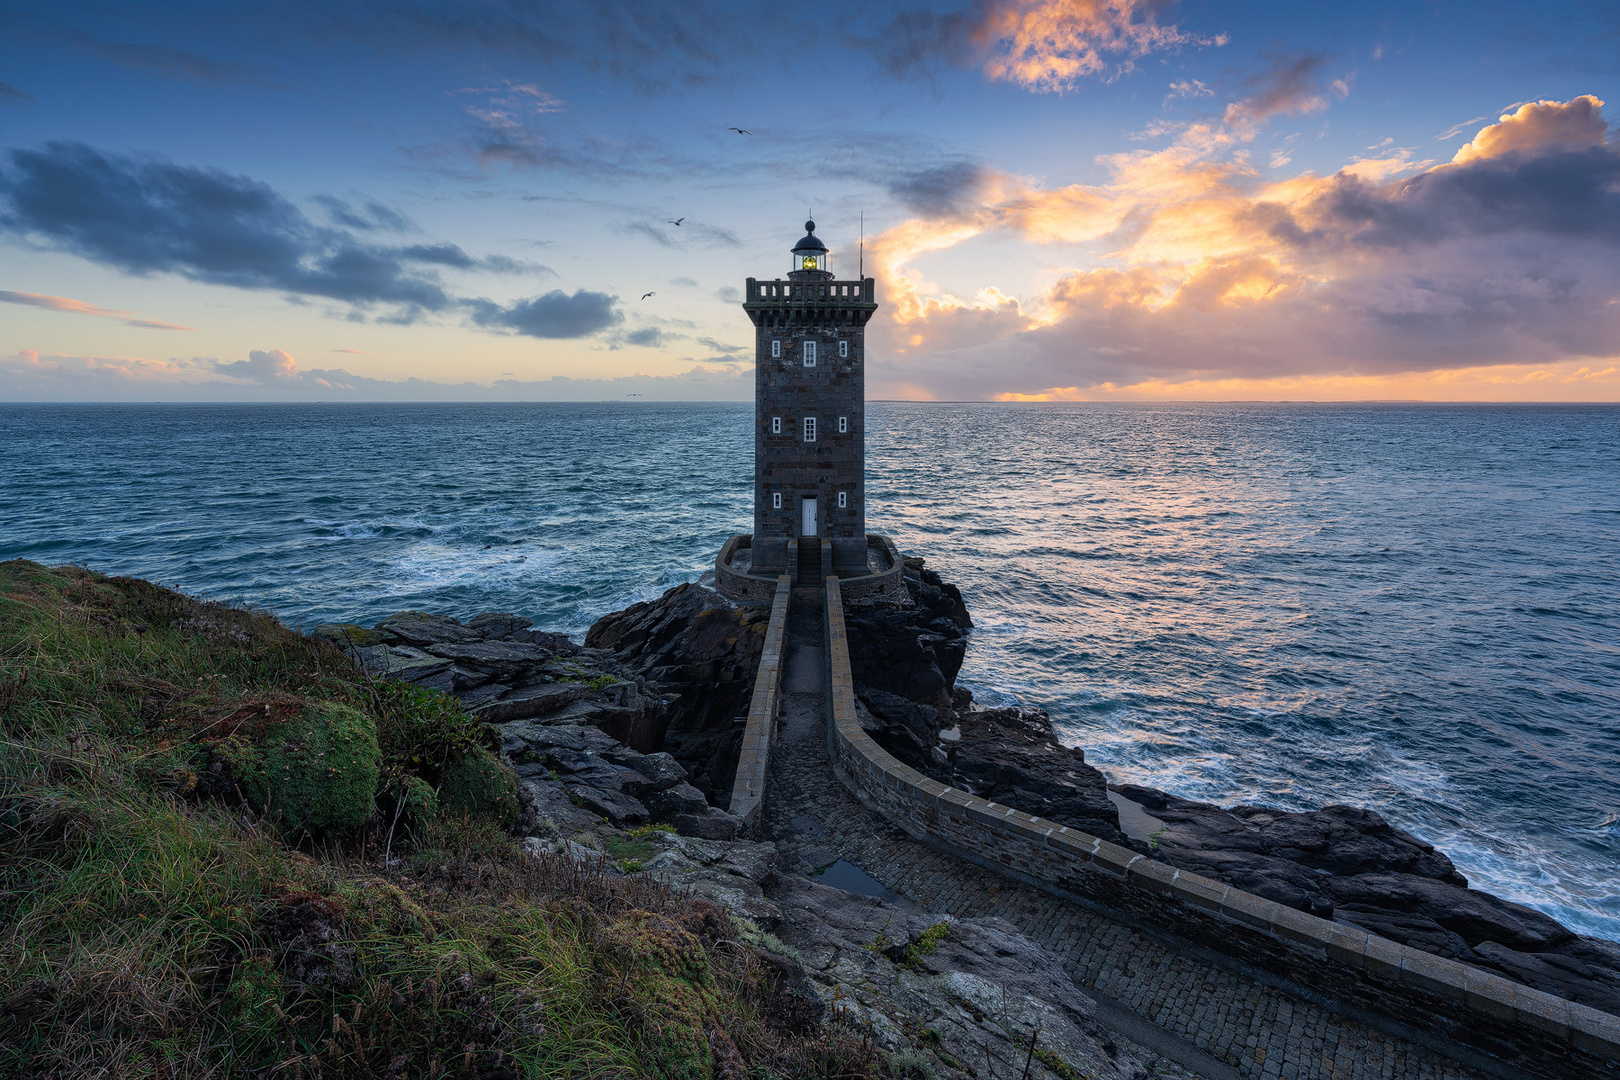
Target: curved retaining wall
<point>1530,1031</point>
<point>760,589</point>
<point>748,792</point>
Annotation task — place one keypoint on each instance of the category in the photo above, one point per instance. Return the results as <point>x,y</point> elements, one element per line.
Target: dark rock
<point>1012,756</point>
<point>1351,865</point>
<point>923,720</point>
<point>490,654</point>
<point>499,625</point>
<point>530,702</point>
<point>1474,916</point>
<point>546,800</point>
<point>617,807</point>
<point>672,802</point>
<point>699,651</point>
<point>421,628</point>
<point>472,699</point>
<point>710,824</point>
<point>660,769</point>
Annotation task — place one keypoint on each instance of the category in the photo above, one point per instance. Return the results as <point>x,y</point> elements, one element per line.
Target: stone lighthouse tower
<point>810,417</point>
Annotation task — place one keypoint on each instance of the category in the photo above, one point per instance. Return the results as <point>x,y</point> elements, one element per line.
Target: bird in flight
<point>740,131</point>
<point>647,294</point>
<point>677,221</point>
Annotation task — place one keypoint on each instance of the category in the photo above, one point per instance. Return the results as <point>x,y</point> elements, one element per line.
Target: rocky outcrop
<point>1349,864</point>
<point>913,650</point>
<point>701,650</point>
<point>944,996</point>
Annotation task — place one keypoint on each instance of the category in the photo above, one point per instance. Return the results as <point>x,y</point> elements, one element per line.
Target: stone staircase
<point>809,575</point>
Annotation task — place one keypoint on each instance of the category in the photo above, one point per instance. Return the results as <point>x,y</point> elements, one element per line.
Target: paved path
<point>1175,1009</point>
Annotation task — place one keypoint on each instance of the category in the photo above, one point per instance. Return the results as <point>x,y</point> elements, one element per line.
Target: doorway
<point>808,526</point>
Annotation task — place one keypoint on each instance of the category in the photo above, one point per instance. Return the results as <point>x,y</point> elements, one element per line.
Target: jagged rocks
<point>911,650</point>
<point>701,650</point>
<point>975,988</point>
<point>1349,864</point>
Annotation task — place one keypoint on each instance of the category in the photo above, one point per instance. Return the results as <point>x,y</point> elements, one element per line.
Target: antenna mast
<point>861,274</point>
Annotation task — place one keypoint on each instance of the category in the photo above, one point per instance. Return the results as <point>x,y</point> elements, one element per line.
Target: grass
<point>157,920</point>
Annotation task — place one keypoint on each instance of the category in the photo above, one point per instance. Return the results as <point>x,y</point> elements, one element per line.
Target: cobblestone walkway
<point>1260,1031</point>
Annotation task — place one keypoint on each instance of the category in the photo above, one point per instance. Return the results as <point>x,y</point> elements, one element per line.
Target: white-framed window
<point>843,349</point>
<point>843,500</point>
<point>809,429</point>
<point>776,425</point>
<point>843,425</point>
<point>809,354</point>
<point>776,500</point>
<point>776,347</point>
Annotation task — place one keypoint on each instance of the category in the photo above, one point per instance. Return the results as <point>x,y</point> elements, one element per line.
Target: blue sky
<point>1062,199</point>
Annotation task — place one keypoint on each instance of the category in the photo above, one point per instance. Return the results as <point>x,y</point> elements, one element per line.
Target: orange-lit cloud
<point>1049,45</point>
<point>1193,271</point>
<point>79,307</point>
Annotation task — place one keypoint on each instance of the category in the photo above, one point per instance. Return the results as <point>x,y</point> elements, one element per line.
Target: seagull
<point>740,131</point>
<point>677,221</point>
<point>647,294</point>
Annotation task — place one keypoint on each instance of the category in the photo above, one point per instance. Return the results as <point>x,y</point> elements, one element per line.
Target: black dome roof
<point>811,241</point>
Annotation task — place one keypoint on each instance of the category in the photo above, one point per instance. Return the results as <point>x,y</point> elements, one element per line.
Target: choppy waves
<point>1414,608</point>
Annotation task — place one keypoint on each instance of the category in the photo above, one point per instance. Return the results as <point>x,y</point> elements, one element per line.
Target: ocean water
<point>1414,608</point>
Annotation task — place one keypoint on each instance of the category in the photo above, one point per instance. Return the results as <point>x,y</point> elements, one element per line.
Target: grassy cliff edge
<point>224,851</point>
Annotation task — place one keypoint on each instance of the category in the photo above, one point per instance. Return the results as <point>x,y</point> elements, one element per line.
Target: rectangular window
<point>776,425</point>
<point>776,348</point>
<point>809,354</point>
<point>776,500</point>
<point>843,349</point>
<point>843,500</point>
<point>809,429</point>
<point>843,425</point>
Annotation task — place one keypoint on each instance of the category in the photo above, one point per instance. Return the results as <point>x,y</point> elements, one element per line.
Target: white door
<point>809,528</point>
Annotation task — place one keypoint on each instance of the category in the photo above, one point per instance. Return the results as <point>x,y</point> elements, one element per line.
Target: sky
<point>1059,199</point>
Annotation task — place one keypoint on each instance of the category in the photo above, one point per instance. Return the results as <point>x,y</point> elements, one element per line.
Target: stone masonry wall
<point>787,315</point>
<point>1537,1033</point>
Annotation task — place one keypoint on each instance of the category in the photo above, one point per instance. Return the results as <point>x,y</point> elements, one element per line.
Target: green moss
<point>479,785</point>
<point>926,943</point>
<point>412,803</point>
<point>348,634</point>
<point>317,771</point>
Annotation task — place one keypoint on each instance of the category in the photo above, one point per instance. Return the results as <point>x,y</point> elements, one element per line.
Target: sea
<point>1408,607</point>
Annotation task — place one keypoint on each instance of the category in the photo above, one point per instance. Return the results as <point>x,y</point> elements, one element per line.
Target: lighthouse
<point>809,416</point>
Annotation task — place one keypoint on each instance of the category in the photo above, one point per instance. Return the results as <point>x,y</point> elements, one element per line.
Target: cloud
<point>170,63</point>
<point>651,337</point>
<point>79,307</point>
<point>262,366</point>
<point>941,189</point>
<point>1187,88</point>
<point>1203,270</point>
<point>274,375</point>
<point>722,347</point>
<point>1044,46</point>
<point>1289,86</point>
<point>147,216</point>
<point>365,215</point>
<point>553,315</point>
<point>653,45</point>
<point>13,96</point>
<point>1539,127</point>
<point>1457,129</point>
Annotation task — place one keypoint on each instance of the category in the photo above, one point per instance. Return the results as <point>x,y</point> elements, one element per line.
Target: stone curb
<point>748,792</point>
<point>1545,1035</point>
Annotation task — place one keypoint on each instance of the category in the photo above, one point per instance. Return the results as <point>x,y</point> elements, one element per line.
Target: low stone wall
<point>759,589</point>
<point>749,588</point>
<point>748,792</point>
<point>1527,1030</point>
<point>884,584</point>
